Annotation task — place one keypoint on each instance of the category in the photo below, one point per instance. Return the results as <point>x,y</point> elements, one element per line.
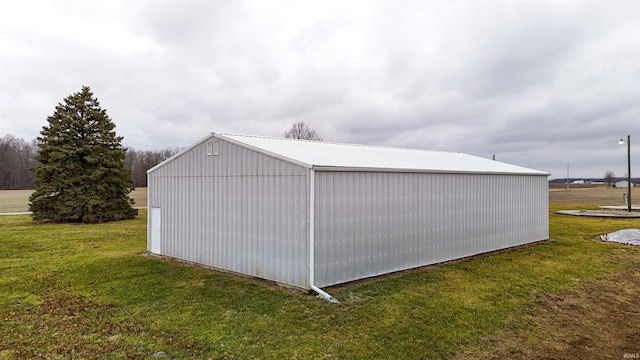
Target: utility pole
<point>629,173</point>
<point>621,142</point>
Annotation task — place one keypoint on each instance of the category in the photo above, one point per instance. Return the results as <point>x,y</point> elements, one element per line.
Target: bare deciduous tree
<point>300,130</point>
<point>609,177</point>
<point>17,157</point>
<point>139,161</point>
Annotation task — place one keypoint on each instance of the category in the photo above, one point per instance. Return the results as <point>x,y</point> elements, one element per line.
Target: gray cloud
<point>537,83</point>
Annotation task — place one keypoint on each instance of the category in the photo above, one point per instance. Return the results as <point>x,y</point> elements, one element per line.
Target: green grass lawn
<point>86,291</point>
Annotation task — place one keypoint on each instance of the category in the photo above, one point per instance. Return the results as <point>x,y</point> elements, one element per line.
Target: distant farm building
<point>623,184</point>
<point>314,214</point>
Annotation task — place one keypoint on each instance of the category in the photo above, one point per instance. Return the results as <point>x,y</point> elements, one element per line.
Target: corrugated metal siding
<point>372,223</point>
<point>240,210</point>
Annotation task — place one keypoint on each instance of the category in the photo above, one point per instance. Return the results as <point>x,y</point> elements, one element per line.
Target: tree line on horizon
<point>18,158</point>
<point>608,179</point>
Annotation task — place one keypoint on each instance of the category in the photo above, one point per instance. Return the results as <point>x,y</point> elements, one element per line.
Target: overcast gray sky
<point>540,84</point>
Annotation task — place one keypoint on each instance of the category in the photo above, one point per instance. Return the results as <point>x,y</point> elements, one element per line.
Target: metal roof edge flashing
<point>260,150</point>
<point>180,153</point>
<point>423,171</point>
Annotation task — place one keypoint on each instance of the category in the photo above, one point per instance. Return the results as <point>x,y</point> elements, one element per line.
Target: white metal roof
<point>336,156</point>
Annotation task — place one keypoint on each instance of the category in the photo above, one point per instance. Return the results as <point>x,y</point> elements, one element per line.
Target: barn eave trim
<point>423,171</point>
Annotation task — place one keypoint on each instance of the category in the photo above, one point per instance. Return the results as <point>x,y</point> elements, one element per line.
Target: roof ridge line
<point>336,143</point>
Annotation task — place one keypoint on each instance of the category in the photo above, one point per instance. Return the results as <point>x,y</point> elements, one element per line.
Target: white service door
<point>156,230</point>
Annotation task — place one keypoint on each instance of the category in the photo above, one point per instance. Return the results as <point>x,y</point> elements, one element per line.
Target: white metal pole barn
<point>315,214</point>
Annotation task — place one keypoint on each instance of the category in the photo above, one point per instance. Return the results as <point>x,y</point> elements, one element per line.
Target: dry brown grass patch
<point>599,320</point>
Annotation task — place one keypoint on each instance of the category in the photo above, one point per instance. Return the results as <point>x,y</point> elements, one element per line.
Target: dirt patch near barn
<point>599,320</point>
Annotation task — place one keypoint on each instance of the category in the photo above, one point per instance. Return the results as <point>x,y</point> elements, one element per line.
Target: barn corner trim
<point>312,263</point>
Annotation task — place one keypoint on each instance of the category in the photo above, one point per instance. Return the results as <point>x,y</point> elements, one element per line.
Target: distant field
<point>14,200</point>
<point>600,195</point>
<point>18,200</point>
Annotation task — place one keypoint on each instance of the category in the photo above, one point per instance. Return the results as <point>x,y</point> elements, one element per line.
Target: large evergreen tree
<point>81,175</point>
